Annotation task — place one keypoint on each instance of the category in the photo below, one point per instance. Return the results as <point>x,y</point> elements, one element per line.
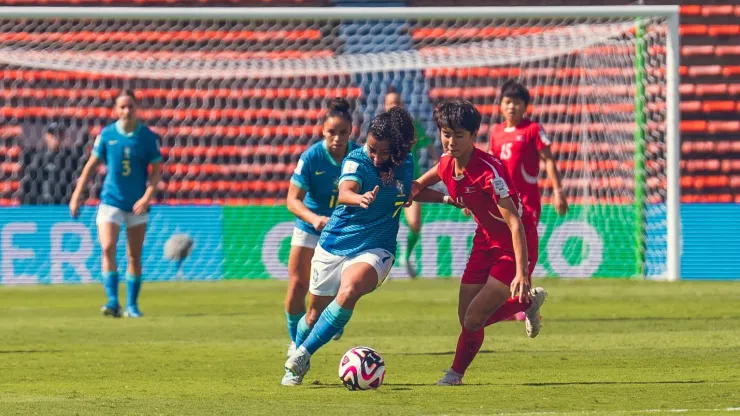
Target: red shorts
<point>487,261</point>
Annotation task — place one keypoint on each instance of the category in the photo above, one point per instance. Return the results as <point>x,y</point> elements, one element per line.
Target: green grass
<point>606,347</point>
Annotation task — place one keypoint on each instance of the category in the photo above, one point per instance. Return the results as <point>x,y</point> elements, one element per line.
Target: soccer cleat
<point>299,363</point>
<point>532,314</point>
<point>338,335</point>
<point>451,378</point>
<point>132,312</point>
<point>112,311</point>
<point>291,380</point>
<point>291,349</point>
<point>411,269</point>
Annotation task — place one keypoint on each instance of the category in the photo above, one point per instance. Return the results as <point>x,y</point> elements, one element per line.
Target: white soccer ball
<point>362,368</point>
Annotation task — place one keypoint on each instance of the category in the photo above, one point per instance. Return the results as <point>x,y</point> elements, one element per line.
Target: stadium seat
<point>715,10</point>
<point>723,30</point>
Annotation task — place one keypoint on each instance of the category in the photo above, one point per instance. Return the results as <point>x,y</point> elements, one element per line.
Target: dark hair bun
<point>339,105</point>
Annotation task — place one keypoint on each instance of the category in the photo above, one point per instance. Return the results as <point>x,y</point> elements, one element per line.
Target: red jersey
<point>518,148</point>
<point>483,183</point>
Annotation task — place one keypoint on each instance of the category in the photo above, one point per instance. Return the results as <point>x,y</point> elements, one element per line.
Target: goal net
<point>238,94</point>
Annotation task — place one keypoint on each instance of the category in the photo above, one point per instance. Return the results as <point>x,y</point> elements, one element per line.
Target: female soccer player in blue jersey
<point>127,148</point>
<point>312,197</point>
<point>358,245</point>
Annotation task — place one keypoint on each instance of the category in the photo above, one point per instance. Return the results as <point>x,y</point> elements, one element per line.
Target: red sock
<point>511,307</point>
<point>468,346</point>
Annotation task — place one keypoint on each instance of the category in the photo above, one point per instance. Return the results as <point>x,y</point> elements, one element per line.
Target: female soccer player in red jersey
<point>520,144</point>
<point>496,281</point>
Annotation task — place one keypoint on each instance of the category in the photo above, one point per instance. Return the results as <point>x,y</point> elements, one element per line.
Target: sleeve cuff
<point>156,160</point>
<point>299,184</point>
<point>96,154</point>
<point>353,178</point>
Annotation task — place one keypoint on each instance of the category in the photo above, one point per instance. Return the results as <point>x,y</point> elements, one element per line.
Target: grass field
<point>606,347</point>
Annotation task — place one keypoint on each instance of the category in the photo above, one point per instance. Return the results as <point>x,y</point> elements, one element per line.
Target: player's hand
<point>520,287</point>
<point>369,197</point>
<point>141,206</point>
<point>415,189</point>
<point>466,212</point>
<point>561,203</point>
<point>319,223</point>
<point>74,206</point>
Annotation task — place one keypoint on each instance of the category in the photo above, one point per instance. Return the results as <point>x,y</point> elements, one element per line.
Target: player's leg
<point>413,219</point>
<point>469,342</point>
<point>316,306</point>
<point>109,222</point>
<point>135,233</point>
<point>359,276</point>
<point>299,270</point>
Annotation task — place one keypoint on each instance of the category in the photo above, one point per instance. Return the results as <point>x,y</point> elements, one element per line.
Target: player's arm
<point>348,194</point>
<point>520,285</point>
<point>87,171</point>
<point>429,178</point>
<point>432,196</point>
<point>300,210</point>
<point>561,204</point>
<point>155,175</point>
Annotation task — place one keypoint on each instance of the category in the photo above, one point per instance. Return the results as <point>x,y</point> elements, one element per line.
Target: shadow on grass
<point>30,351</point>
<point>608,383</point>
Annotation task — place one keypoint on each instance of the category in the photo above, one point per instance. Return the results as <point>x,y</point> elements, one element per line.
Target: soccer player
<point>520,144</point>
<point>357,247</point>
<point>312,197</point>
<point>413,211</point>
<point>496,281</point>
<point>128,148</point>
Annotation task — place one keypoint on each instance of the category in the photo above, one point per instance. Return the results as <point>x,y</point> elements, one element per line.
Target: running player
<point>357,247</point>
<point>413,211</point>
<point>520,144</point>
<point>312,197</point>
<point>127,148</point>
<point>496,281</point>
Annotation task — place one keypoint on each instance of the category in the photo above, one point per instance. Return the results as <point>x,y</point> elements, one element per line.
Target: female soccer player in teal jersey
<point>312,197</point>
<point>127,148</point>
<point>357,247</point>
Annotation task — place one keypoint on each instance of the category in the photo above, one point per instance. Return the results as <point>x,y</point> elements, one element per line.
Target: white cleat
<point>451,378</point>
<point>533,320</point>
<point>299,363</point>
<point>291,380</point>
<point>291,349</point>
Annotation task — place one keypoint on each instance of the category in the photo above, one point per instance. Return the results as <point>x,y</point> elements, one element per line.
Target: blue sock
<point>110,283</point>
<point>293,320</point>
<point>133,286</point>
<point>302,332</point>
<point>331,321</point>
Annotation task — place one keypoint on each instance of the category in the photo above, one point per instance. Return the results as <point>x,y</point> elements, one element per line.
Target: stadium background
<point>236,217</point>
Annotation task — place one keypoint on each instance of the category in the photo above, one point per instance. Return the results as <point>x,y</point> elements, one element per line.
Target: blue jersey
<point>127,158</point>
<point>317,173</point>
<point>352,230</point>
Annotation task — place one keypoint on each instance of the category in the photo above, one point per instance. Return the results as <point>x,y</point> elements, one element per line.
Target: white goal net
<point>238,94</point>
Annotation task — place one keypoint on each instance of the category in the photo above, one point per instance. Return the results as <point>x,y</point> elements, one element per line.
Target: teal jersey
<point>127,158</point>
<point>317,173</point>
<point>352,230</point>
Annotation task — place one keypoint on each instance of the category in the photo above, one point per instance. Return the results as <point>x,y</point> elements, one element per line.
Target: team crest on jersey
<point>520,137</point>
<point>470,189</point>
<point>399,186</point>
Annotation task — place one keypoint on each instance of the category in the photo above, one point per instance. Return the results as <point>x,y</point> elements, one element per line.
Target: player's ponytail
<point>339,107</point>
<point>396,126</point>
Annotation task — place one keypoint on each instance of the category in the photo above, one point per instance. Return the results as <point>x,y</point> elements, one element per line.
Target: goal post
<point>239,92</point>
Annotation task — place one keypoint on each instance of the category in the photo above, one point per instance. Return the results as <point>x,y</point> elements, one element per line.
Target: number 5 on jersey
<point>505,151</point>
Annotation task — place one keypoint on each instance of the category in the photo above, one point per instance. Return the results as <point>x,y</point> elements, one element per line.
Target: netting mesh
<point>237,102</point>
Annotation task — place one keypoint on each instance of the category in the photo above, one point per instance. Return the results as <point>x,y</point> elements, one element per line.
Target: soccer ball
<point>362,368</point>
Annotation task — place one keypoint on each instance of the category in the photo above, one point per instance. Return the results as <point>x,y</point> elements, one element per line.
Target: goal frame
<point>670,13</point>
